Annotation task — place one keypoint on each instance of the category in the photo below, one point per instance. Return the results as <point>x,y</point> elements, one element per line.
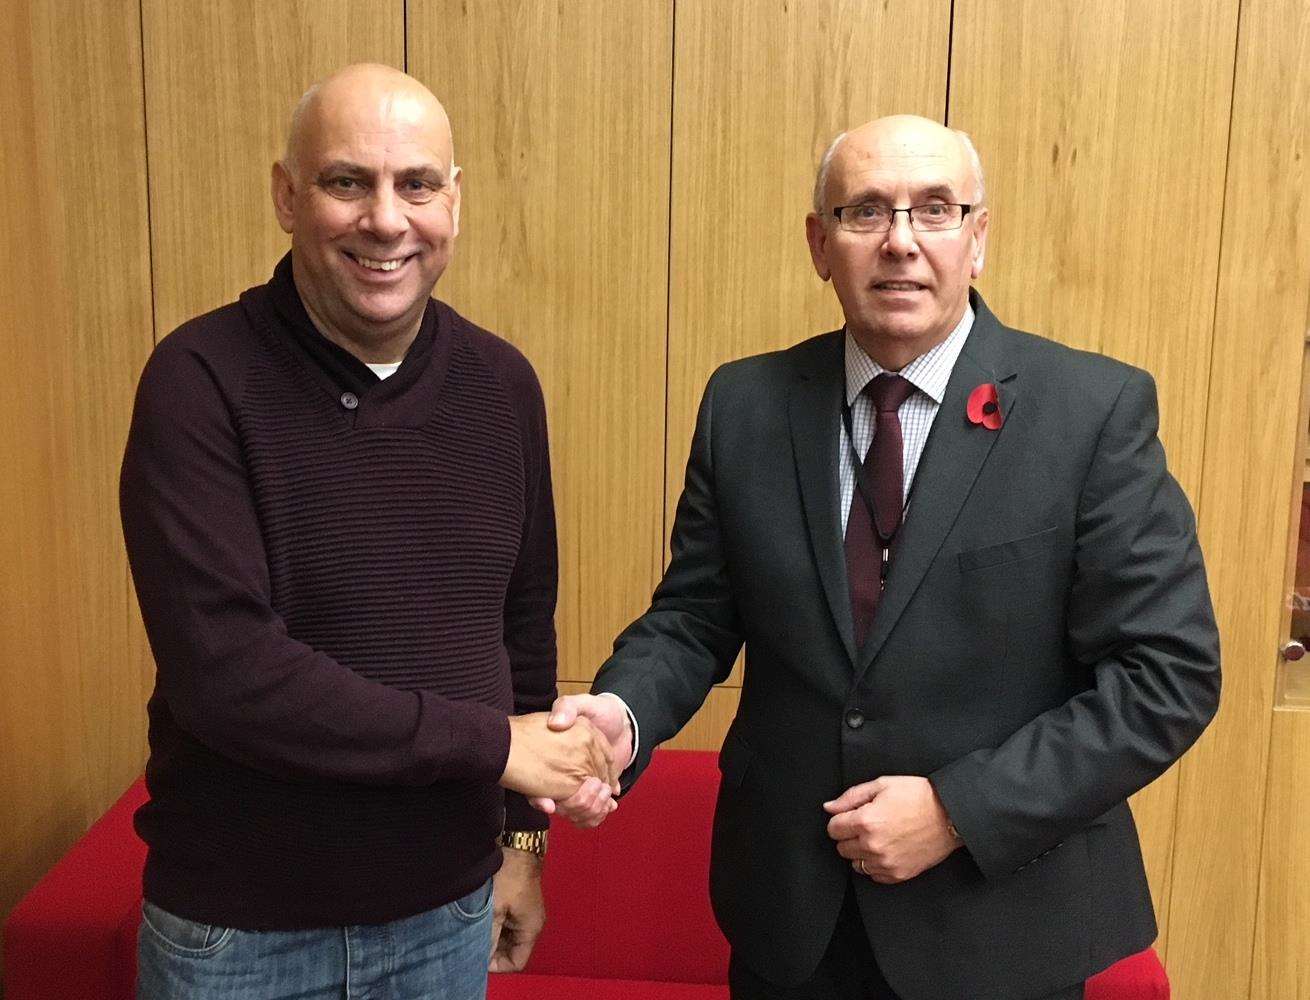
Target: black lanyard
<point>886,543</point>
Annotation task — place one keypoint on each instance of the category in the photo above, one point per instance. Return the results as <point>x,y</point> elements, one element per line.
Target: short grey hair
<point>825,167</point>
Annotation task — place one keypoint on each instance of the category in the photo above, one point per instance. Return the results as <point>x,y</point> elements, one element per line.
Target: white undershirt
<point>384,371</point>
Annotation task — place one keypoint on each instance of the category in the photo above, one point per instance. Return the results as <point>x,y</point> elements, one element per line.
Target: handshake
<point>568,760</point>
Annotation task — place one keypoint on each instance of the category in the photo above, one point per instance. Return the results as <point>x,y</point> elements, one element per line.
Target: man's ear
<point>283,189</point>
<point>979,244</point>
<point>816,234</point>
<point>456,179</point>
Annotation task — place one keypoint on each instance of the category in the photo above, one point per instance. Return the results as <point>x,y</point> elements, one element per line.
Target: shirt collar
<point>928,373</point>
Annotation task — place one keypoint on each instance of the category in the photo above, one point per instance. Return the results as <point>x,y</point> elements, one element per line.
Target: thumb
<point>543,805</point>
<point>854,797</point>
<point>563,713</point>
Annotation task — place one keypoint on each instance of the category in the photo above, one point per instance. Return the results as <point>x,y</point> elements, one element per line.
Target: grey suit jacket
<point>1045,647</point>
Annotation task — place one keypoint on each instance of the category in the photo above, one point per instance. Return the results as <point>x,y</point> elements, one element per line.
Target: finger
<point>846,825</point>
<point>592,816</point>
<point>543,805</point>
<point>497,922</point>
<point>563,713</point>
<point>855,796</point>
<point>589,805</point>
<point>853,850</point>
<point>520,950</point>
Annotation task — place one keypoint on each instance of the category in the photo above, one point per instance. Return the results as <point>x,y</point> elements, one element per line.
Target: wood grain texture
<point>1242,773</point>
<point>1280,969</point>
<point>563,250</point>
<point>707,727</point>
<point>74,330</point>
<point>221,80</point>
<point>760,90</point>
<point>1102,131</point>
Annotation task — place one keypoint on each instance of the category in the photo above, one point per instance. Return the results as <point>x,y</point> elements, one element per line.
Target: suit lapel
<point>814,412</point>
<point>951,460</point>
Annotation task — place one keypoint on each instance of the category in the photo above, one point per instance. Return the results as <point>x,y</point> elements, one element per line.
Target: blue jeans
<point>440,954</point>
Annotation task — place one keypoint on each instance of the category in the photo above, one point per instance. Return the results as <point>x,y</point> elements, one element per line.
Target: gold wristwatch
<point>532,841</point>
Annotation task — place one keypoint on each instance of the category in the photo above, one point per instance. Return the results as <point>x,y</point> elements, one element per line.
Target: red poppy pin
<point>985,406</point>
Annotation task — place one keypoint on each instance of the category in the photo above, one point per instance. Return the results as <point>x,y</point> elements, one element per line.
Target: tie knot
<point>887,392</point>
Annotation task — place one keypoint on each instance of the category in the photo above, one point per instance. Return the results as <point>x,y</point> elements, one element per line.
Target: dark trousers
<point>847,971</point>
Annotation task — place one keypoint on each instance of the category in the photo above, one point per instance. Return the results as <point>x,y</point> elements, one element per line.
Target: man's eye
<point>343,184</point>
<point>867,212</point>
<point>933,211</point>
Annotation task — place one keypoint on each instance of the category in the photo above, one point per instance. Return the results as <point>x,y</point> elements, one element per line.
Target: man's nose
<point>385,217</point>
<point>900,239</point>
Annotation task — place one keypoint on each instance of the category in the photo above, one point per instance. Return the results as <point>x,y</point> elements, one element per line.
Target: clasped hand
<point>891,829</point>
<point>555,761</point>
<point>593,799</point>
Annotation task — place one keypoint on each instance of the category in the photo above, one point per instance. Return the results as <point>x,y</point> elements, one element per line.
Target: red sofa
<point>629,910</point>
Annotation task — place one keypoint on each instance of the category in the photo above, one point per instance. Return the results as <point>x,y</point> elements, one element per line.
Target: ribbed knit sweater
<point>348,584</point>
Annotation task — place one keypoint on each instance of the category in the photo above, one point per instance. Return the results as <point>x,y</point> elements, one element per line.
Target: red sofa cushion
<point>628,906</point>
<point>630,899</point>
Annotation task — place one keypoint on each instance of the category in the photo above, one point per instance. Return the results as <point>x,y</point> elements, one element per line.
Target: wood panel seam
<point>145,150</point>
<point>665,524</point>
<point>1184,768</point>
<point>950,52</point>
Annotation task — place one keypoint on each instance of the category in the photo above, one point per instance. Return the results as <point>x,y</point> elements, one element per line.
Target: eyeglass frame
<point>965,209</point>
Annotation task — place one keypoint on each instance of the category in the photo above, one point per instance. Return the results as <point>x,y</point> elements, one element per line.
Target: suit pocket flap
<point>734,760</point>
<point>1005,552</point>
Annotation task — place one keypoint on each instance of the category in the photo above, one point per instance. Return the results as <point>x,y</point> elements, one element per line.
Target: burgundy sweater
<point>348,584</point>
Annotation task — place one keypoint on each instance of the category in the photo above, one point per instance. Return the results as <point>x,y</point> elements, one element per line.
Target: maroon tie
<point>880,483</point>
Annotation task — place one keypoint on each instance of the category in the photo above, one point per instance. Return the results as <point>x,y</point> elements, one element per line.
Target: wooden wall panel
<point>1102,131</point>
<point>759,91</point>
<point>1105,178</point>
<point>563,250</point>
<point>221,80</point>
<point>74,331</point>
<point>1239,776</point>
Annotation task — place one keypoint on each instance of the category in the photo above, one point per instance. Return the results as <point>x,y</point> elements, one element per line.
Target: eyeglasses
<point>932,218</point>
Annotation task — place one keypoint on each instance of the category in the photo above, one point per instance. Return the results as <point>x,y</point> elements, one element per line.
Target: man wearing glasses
<point>974,611</point>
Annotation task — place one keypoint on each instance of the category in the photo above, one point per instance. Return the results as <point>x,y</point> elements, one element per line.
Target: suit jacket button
<point>855,718</point>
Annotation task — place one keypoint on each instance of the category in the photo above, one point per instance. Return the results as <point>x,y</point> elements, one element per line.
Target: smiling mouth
<point>372,264</point>
<point>899,286</point>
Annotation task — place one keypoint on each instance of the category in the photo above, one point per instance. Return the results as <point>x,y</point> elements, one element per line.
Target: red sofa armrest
<point>1137,977</point>
<point>68,936</point>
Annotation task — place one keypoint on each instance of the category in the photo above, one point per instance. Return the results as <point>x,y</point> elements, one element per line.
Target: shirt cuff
<point>632,725</point>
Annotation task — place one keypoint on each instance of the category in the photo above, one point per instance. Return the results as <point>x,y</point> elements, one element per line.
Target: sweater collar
<point>344,369</point>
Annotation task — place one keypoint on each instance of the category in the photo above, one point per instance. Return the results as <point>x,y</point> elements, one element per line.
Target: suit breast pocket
<point>1003,553</point>
<point>1016,583</point>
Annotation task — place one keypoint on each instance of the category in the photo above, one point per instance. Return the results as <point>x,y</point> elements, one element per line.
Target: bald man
<point>974,611</point>
<point>336,499</point>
